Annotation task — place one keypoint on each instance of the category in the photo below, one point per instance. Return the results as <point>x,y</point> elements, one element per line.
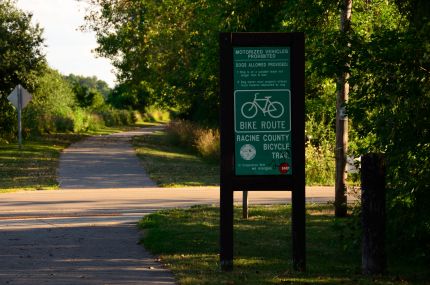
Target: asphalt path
<point>86,232</point>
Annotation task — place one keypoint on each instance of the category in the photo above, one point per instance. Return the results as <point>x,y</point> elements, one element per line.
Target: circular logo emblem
<point>283,168</point>
<point>247,152</point>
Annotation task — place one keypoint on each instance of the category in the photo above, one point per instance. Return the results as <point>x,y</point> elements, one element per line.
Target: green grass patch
<point>186,240</point>
<point>34,166</point>
<point>172,166</point>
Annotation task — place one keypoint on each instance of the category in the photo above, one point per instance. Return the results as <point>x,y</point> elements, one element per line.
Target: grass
<point>34,166</point>
<point>186,240</point>
<point>171,166</point>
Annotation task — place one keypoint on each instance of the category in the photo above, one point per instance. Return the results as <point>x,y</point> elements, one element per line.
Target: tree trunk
<point>342,118</point>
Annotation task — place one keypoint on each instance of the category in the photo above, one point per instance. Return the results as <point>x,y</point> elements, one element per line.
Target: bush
<point>208,143</point>
<point>114,117</point>
<point>80,122</point>
<point>52,106</point>
<point>154,114</point>
<point>182,133</point>
<point>63,123</point>
<point>204,141</point>
<point>320,165</point>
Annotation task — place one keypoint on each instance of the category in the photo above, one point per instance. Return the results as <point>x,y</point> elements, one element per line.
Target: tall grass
<point>207,143</point>
<point>320,165</point>
<point>204,141</point>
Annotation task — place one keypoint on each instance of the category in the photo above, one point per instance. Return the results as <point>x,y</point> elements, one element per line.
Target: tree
<point>21,61</point>
<point>90,91</point>
<point>166,52</point>
<point>341,116</point>
<point>53,104</point>
<point>391,99</point>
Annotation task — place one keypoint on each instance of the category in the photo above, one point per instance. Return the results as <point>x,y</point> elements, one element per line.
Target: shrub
<point>115,117</point>
<point>208,143</point>
<point>182,133</point>
<point>126,117</point>
<point>154,114</point>
<point>94,122</point>
<point>79,120</point>
<point>203,141</point>
<point>320,165</point>
<point>63,123</point>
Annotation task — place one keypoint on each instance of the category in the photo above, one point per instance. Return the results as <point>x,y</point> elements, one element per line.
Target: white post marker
<point>19,97</point>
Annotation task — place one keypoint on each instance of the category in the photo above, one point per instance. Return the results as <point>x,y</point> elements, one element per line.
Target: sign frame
<point>230,182</point>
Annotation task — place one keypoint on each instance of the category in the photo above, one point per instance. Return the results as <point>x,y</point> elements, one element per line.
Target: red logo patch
<point>283,168</point>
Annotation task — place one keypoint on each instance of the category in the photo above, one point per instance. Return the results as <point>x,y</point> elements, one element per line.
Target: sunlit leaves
<point>21,58</point>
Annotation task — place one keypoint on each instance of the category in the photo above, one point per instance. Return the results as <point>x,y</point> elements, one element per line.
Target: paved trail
<point>86,233</point>
<point>103,162</point>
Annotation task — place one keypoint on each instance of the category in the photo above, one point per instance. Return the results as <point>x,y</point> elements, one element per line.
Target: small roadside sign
<point>13,97</point>
<point>19,97</point>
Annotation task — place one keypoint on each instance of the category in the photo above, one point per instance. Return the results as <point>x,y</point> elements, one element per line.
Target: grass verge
<point>34,166</point>
<point>171,166</point>
<point>186,240</point>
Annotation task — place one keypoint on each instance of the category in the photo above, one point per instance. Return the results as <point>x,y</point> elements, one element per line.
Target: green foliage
<point>114,117</point>
<point>91,82</point>
<point>52,106</point>
<point>90,91</point>
<point>319,165</point>
<point>21,59</point>
<point>154,114</point>
<point>166,52</point>
<point>395,100</point>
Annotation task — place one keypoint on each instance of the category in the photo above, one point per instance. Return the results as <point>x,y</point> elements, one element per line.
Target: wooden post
<point>373,213</point>
<point>227,151</point>
<point>245,205</point>
<point>226,227</point>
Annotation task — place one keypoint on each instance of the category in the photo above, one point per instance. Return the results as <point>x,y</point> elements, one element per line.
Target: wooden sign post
<point>262,127</point>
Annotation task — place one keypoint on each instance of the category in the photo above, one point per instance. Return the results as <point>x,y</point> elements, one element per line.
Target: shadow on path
<point>77,255</point>
<point>104,162</point>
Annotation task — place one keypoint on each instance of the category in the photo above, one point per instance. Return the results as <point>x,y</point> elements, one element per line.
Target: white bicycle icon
<point>274,108</point>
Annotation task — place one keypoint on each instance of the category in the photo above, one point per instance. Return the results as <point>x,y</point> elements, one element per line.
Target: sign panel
<point>262,110</point>
<point>14,95</point>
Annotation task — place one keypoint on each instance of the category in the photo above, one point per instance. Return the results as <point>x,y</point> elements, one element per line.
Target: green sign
<point>262,110</point>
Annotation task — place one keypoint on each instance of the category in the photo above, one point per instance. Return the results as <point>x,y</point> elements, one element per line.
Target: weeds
<point>204,141</point>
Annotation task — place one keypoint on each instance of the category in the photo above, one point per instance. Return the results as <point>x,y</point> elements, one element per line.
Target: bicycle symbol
<point>274,108</point>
